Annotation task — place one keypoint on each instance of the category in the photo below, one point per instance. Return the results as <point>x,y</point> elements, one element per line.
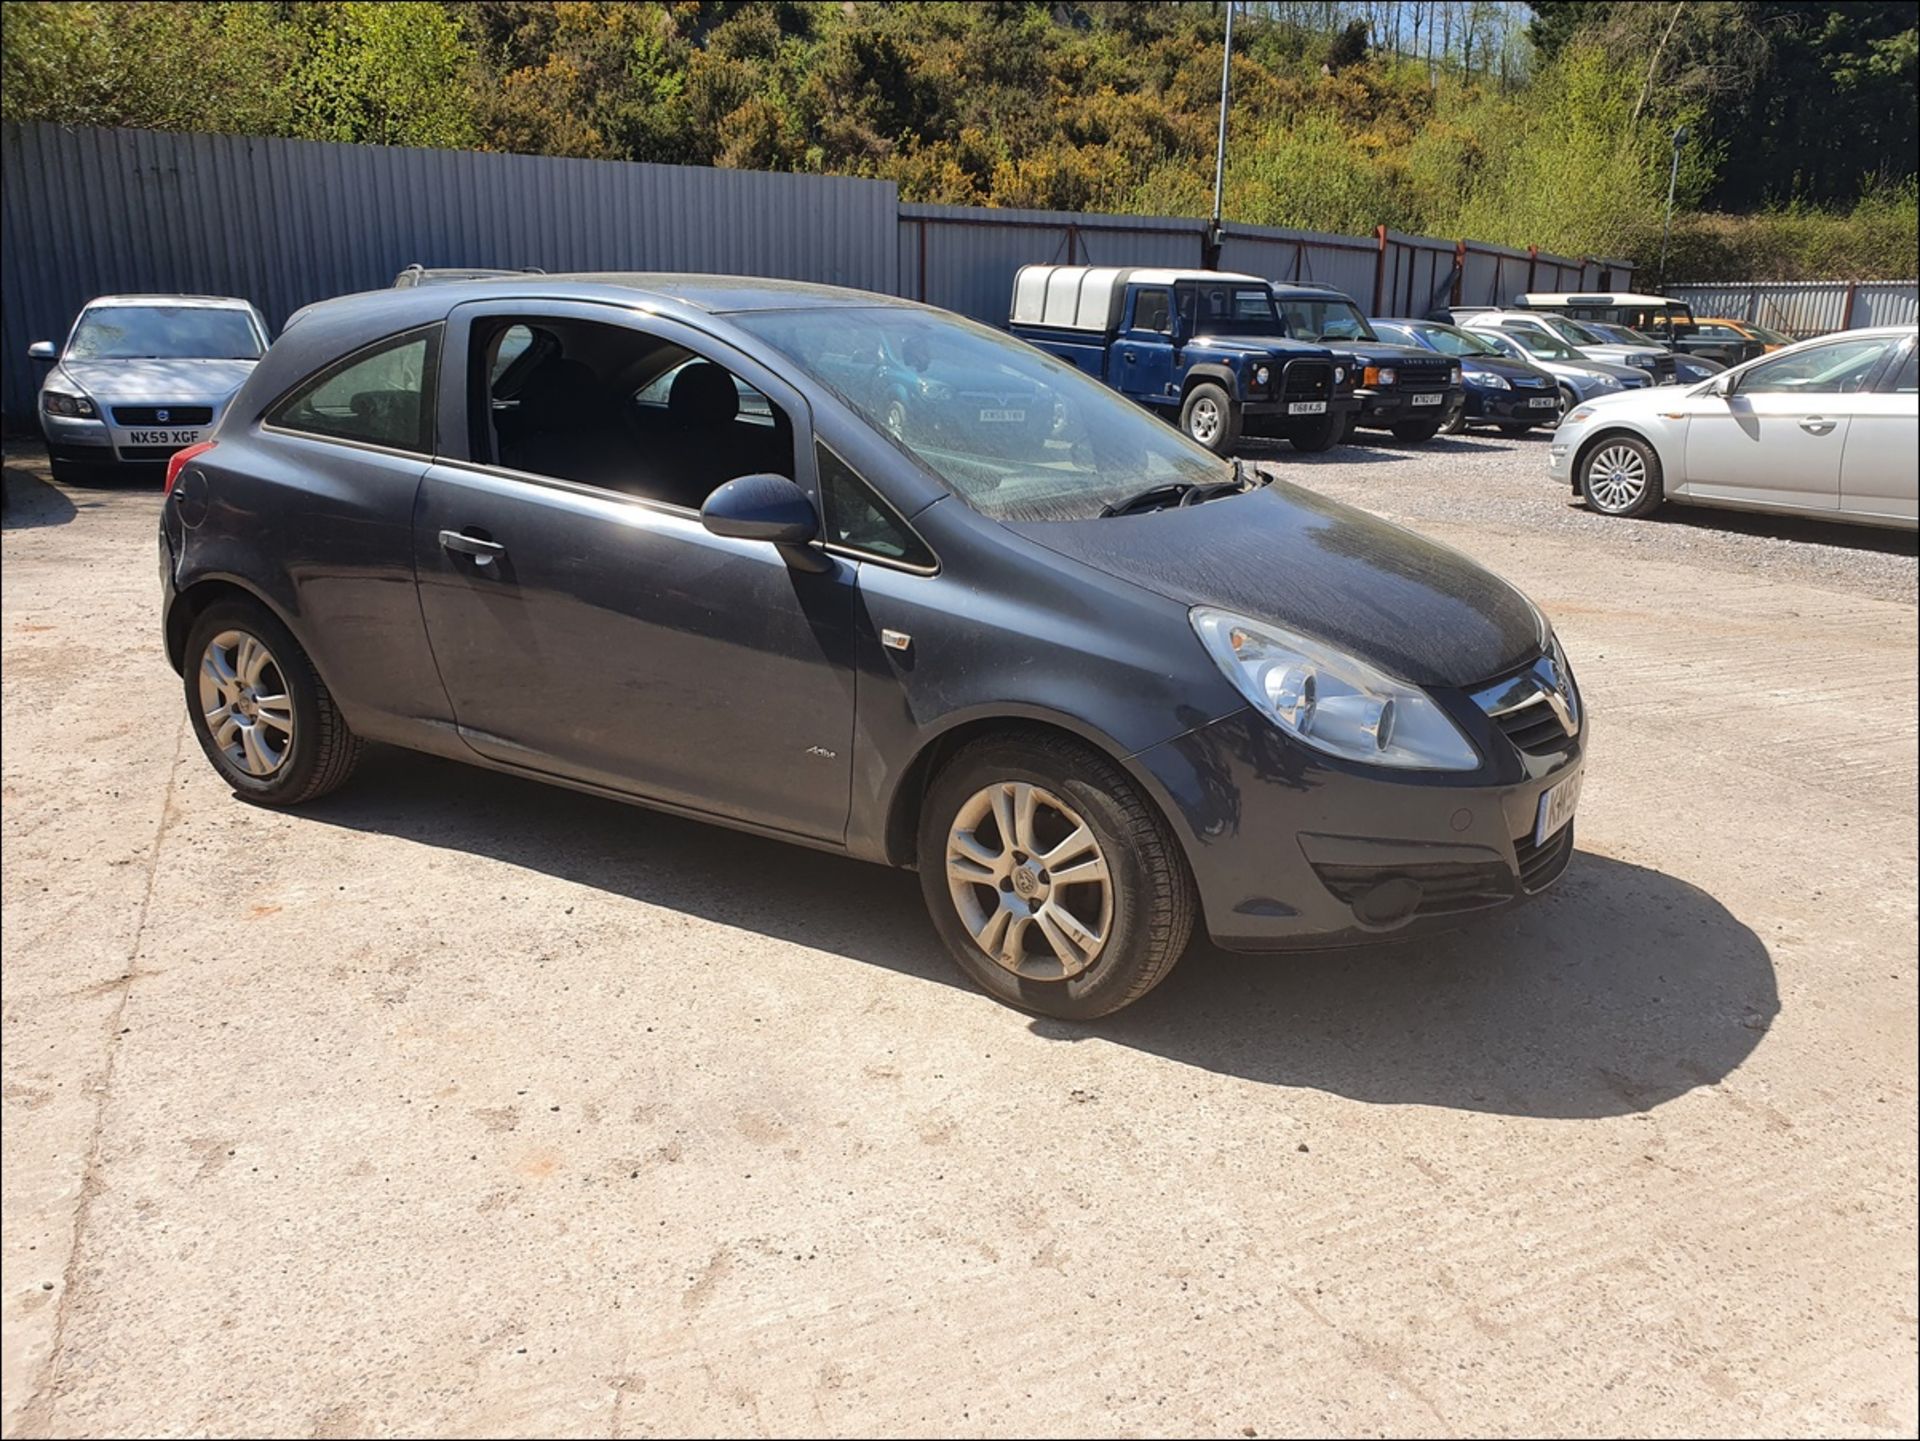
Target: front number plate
<point>1307,407</point>
<point>1556,808</point>
<point>178,438</point>
<point>1426,400</point>
<point>1003,415</point>
<point>1544,402</point>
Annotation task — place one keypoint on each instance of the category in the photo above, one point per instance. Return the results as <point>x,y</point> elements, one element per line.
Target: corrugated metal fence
<point>286,222</point>
<point>1804,308</point>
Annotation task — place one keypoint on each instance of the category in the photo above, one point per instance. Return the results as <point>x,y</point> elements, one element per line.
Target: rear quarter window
<point>380,395</point>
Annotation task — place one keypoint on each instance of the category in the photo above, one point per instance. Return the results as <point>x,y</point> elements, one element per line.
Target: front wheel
<point>1416,430</point>
<point>1321,433</point>
<point>260,710</point>
<point>1051,878</point>
<point>1455,423</point>
<point>1210,417</point>
<point>1620,476</point>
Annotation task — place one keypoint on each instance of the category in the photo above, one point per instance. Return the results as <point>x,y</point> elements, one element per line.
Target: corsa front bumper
<point>1292,849</point>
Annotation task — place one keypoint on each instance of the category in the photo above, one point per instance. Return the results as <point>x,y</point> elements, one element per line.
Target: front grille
<point>1534,729</point>
<point>1421,377</point>
<point>1306,380</point>
<point>151,414</point>
<point>1519,705</point>
<point>149,452</point>
<point>1541,865</point>
<point>1446,888</point>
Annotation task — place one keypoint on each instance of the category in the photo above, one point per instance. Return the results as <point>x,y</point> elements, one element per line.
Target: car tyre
<point>1321,433</point>
<point>1620,476</point>
<point>69,472</point>
<point>1081,811</point>
<point>268,725</point>
<point>1210,417</point>
<point>1416,430</point>
<point>1455,423</point>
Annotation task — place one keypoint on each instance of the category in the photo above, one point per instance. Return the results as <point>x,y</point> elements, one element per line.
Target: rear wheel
<point>260,710</point>
<point>1051,878</point>
<point>1416,430</point>
<point>1620,476</point>
<point>1210,417</point>
<point>1323,432</point>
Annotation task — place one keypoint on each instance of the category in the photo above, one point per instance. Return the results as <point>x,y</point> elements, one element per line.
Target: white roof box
<point>1090,297</point>
<point>1544,300</point>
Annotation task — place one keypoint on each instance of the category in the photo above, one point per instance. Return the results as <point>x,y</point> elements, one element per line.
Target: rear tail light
<point>179,463</point>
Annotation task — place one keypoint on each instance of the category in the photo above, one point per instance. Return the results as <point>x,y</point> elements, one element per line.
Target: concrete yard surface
<point>458,1104</point>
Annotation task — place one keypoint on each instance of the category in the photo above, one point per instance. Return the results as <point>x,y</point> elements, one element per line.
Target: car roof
<point>204,302</point>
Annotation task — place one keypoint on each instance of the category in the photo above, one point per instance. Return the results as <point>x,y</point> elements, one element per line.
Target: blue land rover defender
<point>1204,347</point>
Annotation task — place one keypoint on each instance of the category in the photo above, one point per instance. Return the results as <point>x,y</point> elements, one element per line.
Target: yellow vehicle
<point>1773,339</point>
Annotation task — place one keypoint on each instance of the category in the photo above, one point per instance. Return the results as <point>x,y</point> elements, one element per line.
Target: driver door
<point>1146,369</point>
<point>583,620</point>
<point>1779,437</point>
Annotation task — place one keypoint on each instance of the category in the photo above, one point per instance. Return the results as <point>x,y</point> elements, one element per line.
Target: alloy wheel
<point>246,702</point>
<point>1616,477</point>
<point>1029,881</point>
<point>1203,422</point>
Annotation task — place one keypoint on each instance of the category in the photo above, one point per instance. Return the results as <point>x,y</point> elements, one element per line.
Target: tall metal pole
<point>1220,149</point>
<point>1673,176</point>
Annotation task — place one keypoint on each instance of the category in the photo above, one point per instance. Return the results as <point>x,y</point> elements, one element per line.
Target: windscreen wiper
<point>1179,493</point>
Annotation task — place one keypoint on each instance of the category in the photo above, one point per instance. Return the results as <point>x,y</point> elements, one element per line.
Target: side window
<point>1837,369</point>
<point>380,396</point>
<point>1901,379</point>
<point>621,409</point>
<point>1153,310</point>
<point>857,518</point>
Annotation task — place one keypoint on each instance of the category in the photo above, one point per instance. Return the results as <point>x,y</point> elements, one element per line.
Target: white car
<point>141,376</point>
<point>1828,427</point>
<point>1532,326</point>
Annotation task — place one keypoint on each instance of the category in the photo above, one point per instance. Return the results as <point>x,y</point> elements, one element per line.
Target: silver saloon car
<point>1829,427</point>
<point>142,376</point>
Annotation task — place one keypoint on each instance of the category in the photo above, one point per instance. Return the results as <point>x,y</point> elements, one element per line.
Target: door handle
<point>482,550</point>
<point>1128,356</point>
<point>1816,425</point>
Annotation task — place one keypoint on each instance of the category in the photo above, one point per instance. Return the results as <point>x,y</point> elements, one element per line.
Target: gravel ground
<point>457,1104</point>
<point>1499,486</point>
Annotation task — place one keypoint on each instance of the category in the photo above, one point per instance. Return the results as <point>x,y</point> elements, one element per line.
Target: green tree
<point>383,74</point>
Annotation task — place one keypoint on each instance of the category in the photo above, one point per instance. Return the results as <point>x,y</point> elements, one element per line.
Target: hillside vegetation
<point>1543,125</point>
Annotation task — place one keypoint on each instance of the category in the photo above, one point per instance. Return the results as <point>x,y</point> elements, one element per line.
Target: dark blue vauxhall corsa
<point>804,561</point>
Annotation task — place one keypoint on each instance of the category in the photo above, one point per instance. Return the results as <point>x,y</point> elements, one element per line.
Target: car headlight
<point>1339,375</point>
<point>1262,375</point>
<point>1330,700</point>
<point>1645,362</point>
<point>59,402</point>
<point>1580,413</point>
<point>1377,375</point>
<point>1492,381</point>
<point>1606,382</point>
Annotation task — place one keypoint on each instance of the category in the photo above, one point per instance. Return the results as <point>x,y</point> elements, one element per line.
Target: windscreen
<point>1544,347</point>
<point>1227,309</point>
<point>1315,317</point>
<point>1450,340</point>
<point>164,332</point>
<point>1013,432</point>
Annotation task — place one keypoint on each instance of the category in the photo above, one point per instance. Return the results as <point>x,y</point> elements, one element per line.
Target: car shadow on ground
<point>30,502</point>
<point>1804,530</point>
<point>1620,989</point>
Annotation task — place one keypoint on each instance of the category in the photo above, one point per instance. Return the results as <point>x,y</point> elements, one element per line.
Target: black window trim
<point>854,552</point>
<point>313,379</point>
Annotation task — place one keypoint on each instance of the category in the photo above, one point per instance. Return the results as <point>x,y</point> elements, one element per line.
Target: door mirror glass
<point>770,508</point>
<point>42,350</point>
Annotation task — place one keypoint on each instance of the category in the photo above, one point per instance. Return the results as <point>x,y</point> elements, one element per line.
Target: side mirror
<point>43,350</point>
<point>769,508</point>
